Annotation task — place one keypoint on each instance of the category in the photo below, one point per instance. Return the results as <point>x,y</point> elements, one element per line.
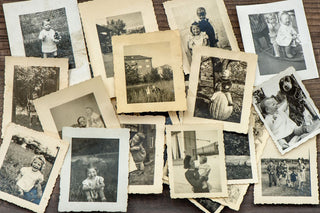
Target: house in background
<point>143,63</point>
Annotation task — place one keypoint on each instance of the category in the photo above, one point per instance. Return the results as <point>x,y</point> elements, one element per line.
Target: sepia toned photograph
<point>149,75</point>
<point>27,79</point>
<point>279,35</point>
<point>290,178</point>
<point>102,21</point>
<point>286,109</point>
<point>196,161</point>
<point>240,158</point>
<point>207,205</point>
<point>201,23</point>
<point>85,105</point>
<point>146,149</point>
<point>30,164</point>
<point>220,88</point>
<point>95,170</point>
<point>48,30</point>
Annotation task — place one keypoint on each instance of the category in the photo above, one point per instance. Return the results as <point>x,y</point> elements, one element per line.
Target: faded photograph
<point>116,25</point>
<point>277,41</point>
<point>94,170</point>
<point>46,34</point>
<point>26,168</point>
<point>142,149</point>
<point>285,177</point>
<point>238,160</point>
<point>29,83</point>
<point>148,73</point>
<point>287,111</point>
<point>196,163</point>
<point>220,89</point>
<point>208,204</point>
<point>82,112</point>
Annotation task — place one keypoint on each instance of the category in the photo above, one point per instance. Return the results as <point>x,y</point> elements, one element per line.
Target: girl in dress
<point>197,38</point>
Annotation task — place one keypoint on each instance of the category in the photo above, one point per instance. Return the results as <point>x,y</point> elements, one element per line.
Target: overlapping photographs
<point>290,178</point>
<point>278,32</point>
<point>194,152</point>
<point>287,111</point>
<point>146,149</point>
<point>85,105</point>
<point>48,29</point>
<point>207,205</point>
<point>201,23</point>
<point>220,89</point>
<point>102,20</point>
<point>27,79</point>
<point>94,175</point>
<point>30,164</point>
<point>149,74</point>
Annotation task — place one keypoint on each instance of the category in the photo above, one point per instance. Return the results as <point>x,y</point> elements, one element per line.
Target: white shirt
<point>29,178</point>
<point>47,38</point>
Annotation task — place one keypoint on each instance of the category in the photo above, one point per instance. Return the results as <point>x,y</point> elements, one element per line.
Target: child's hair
<point>90,166</point>
<point>201,10</point>
<point>141,135</point>
<point>194,24</point>
<point>263,105</point>
<point>269,16</point>
<point>203,158</point>
<point>45,21</point>
<point>282,14</point>
<point>41,158</point>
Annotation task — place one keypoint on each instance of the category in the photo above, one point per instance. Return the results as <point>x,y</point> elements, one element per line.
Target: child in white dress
<point>287,36</point>
<point>273,25</point>
<point>197,38</point>
<point>49,39</point>
<point>204,170</point>
<point>93,185</point>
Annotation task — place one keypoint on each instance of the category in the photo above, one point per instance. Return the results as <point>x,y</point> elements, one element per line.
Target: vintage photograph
<point>290,178</point>
<point>220,88</point>
<point>27,79</point>
<point>95,170</point>
<point>240,158</point>
<point>48,30</point>
<point>207,205</point>
<point>149,75</point>
<point>146,149</point>
<point>196,161</point>
<point>279,35</point>
<point>85,105</point>
<point>201,23</point>
<point>101,21</point>
<point>30,164</point>
<point>286,109</point>
<point>235,196</point>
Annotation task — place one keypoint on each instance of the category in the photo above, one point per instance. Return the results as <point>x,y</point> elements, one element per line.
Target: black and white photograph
<point>101,21</point>
<point>48,29</point>
<point>85,105</point>
<point>196,161</point>
<point>30,164</point>
<point>220,88</point>
<point>289,178</point>
<point>146,149</point>
<point>279,36</point>
<point>207,205</point>
<point>240,158</point>
<point>149,75</point>
<point>148,72</point>
<point>28,79</point>
<point>95,169</point>
<point>116,25</point>
<point>286,109</point>
<point>201,23</point>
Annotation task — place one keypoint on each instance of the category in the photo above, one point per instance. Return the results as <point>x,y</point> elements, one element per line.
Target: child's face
<point>135,140</point>
<point>89,111</point>
<point>285,19</point>
<point>36,164</point>
<point>271,106</point>
<point>195,30</point>
<point>201,14</point>
<point>225,74</point>
<point>91,173</point>
<point>46,25</point>
<point>82,122</point>
<point>272,20</point>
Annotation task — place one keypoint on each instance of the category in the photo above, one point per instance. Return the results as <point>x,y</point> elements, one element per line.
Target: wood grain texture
<point>162,203</point>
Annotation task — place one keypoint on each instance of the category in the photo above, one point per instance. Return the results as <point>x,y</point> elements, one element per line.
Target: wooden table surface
<point>162,203</point>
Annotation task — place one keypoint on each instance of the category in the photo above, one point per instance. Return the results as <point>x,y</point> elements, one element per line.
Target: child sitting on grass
<point>93,185</point>
<point>29,180</point>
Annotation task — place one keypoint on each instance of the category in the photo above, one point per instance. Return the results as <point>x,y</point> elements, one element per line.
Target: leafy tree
<point>167,74</point>
<point>117,27</point>
<point>132,74</point>
<point>154,75</point>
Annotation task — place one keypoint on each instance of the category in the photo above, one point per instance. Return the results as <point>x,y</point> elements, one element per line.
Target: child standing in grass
<point>29,180</point>
<point>49,39</point>
<point>93,185</point>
